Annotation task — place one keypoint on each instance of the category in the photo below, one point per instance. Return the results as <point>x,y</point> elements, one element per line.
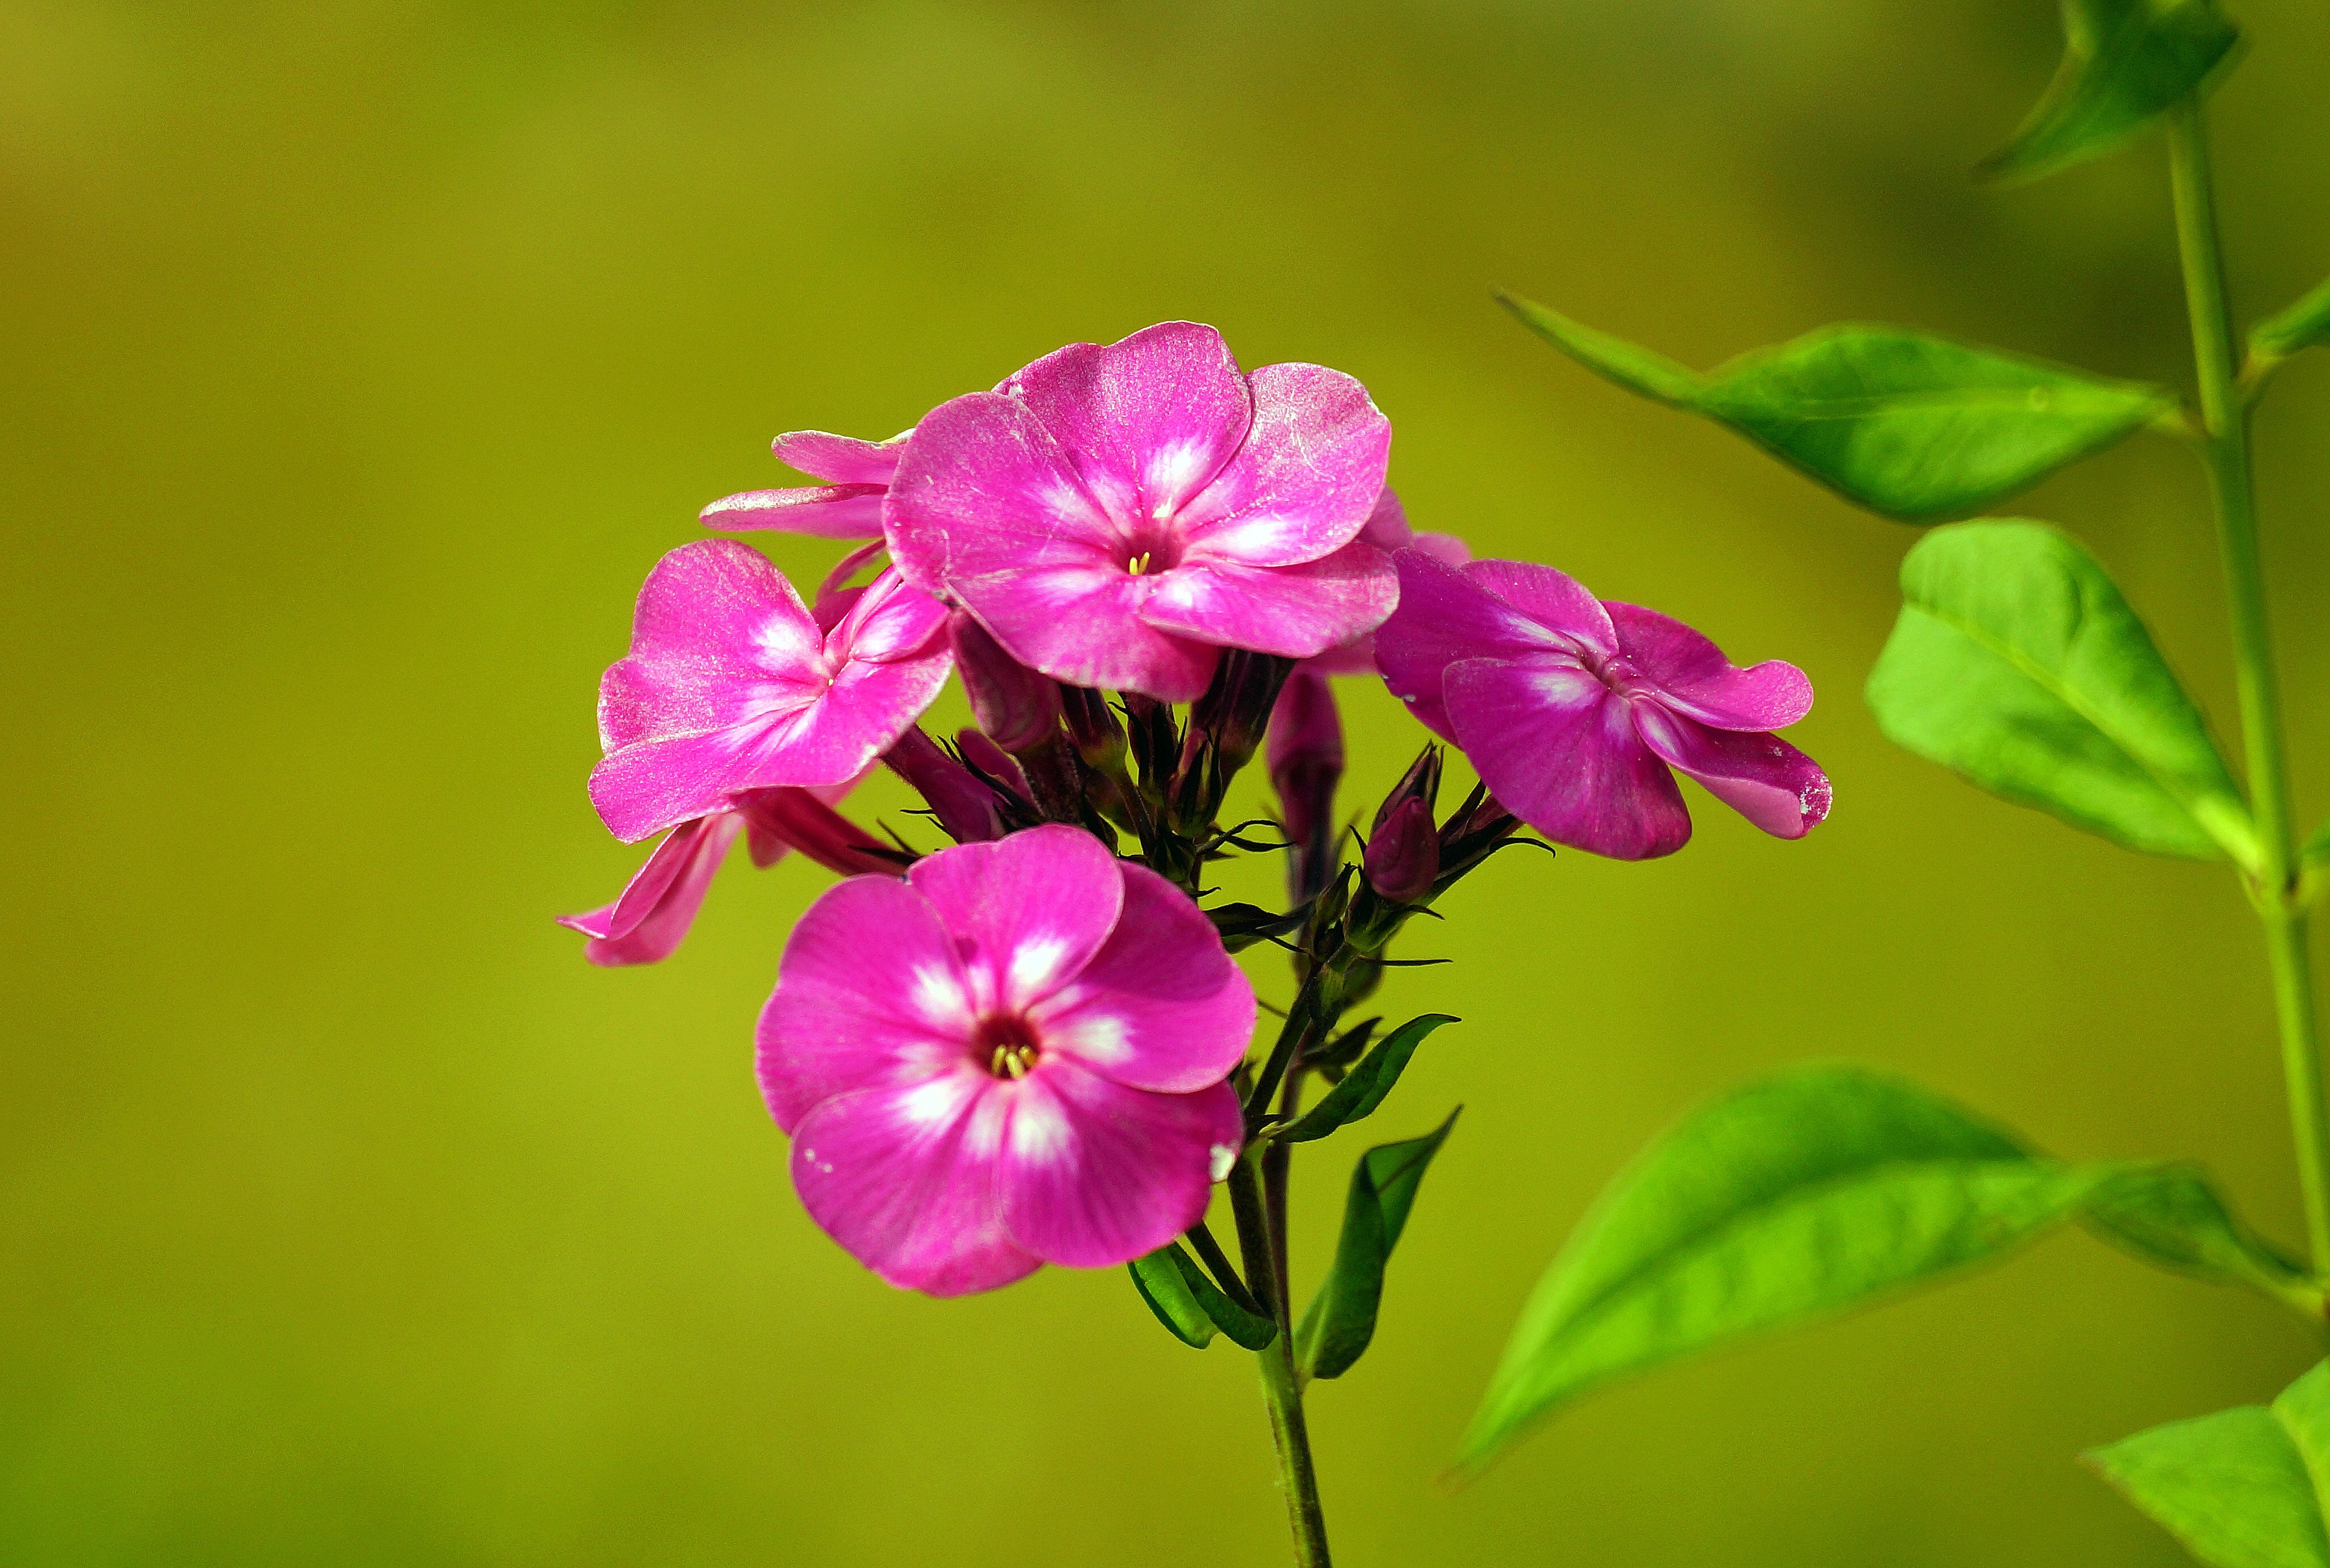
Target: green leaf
<point>2017,662</point>
<point>2302,325</point>
<point>1364,1087</point>
<point>1797,1197</point>
<point>2241,1488</point>
<point>2124,63</point>
<point>2172,1217</point>
<point>1341,1317</point>
<point>1907,424</point>
<point>1191,1305</point>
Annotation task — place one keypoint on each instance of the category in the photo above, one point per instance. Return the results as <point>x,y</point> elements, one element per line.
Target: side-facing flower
<point>731,686</point>
<point>1118,515</point>
<point>1573,710</point>
<point>848,505</point>
<point>1388,530</point>
<point>1016,1055</point>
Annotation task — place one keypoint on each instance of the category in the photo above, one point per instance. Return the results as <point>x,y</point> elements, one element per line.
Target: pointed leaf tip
<point>2125,63</point>
<point>1341,1321</point>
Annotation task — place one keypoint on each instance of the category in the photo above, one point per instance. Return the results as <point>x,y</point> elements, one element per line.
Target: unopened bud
<point>1420,782</point>
<point>1403,858</point>
<point>1093,728</point>
<point>800,821</point>
<point>1014,704</point>
<point>986,757</point>
<point>1305,752</point>
<point>963,806</point>
<point>1237,706</point>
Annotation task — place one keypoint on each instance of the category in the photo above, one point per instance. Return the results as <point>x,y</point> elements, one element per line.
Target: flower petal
<point>821,511</point>
<point>1083,625</point>
<point>1092,1173</point>
<point>869,992</point>
<point>985,490</point>
<point>1554,599</point>
<point>904,1177</point>
<point>1028,912</point>
<point>661,900</point>
<point>1150,418</point>
<point>1161,1006</point>
<point>841,459</point>
<point>1559,749</point>
<point>718,636</point>
<point>1761,776</point>
<point>1698,680</point>
<point>1445,615</point>
<point>1296,612</point>
<point>1304,483</point>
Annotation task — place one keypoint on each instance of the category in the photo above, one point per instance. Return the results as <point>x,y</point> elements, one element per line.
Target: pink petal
<point>1084,626</point>
<point>904,1177</point>
<point>985,490</point>
<point>1761,776</point>
<point>1028,912</point>
<point>834,595</point>
<point>1386,525</point>
<point>785,820</point>
<point>889,622</point>
<point>823,511</point>
<point>1161,1006</point>
<point>660,903</point>
<point>1445,615</point>
<point>1445,547</point>
<point>1554,599</point>
<point>1697,679</point>
<point>1293,610</point>
<point>1559,749</point>
<point>1151,418</point>
<point>1092,1173</point>
<point>1304,483</point>
<point>841,459</point>
<point>869,993</point>
<point>718,636</point>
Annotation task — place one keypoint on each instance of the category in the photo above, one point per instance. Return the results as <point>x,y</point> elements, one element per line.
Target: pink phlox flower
<point>1574,710</point>
<point>1016,1055</point>
<point>1116,515</point>
<point>1388,530</point>
<point>848,505</point>
<point>731,685</point>
<point>836,595</point>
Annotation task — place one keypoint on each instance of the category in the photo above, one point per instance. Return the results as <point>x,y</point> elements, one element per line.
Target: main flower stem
<point>1280,1390</point>
<point>2225,447</point>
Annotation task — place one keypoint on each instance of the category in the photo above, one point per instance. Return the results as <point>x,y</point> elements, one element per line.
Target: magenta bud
<point>1017,707</point>
<point>1237,705</point>
<point>963,806</point>
<point>1093,726</point>
<point>1304,749</point>
<point>993,761</point>
<point>1403,857</point>
<point>799,820</point>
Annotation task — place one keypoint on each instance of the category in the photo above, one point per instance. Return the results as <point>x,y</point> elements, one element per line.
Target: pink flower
<point>731,686</point>
<point>1387,531</point>
<point>1573,710</point>
<point>847,506</point>
<point>1014,1056</point>
<point>1118,515</point>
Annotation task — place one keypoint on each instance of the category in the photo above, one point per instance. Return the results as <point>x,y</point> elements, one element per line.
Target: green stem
<point>2225,425</point>
<point>1289,1432</point>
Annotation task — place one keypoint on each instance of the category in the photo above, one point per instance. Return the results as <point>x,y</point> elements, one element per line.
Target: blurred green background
<point>360,359</point>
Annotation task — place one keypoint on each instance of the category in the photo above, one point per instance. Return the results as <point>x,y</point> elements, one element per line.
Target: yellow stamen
<point>1139,564</point>
<point>1012,1060</point>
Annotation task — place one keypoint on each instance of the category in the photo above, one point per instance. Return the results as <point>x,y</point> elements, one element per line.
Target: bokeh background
<point>361,357</point>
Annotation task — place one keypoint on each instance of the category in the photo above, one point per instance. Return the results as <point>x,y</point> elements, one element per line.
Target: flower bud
<point>797,819</point>
<point>986,757</point>
<point>1015,705</point>
<point>1092,727</point>
<point>1237,706</point>
<point>1305,752</point>
<point>1403,856</point>
<point>965,807</point>
<point>1420,782</point>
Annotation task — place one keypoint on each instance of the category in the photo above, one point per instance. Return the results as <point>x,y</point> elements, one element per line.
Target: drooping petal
<point>869,992</point>
<point>1028,912</point>
<point>985,490</point>
<point>1554,599</point>
<point>1698,680</point>
<point>821,511</point>
<point>1092,1173</point>
<point>1761,776</point>
<point>1560,750</point>
<point>904,1177</point>
<point>718,636</point>
<point>1445,615</point>
<point>661,900</point>
<point>1296,612</point>
<point>1303,484</point>
<point>1161,1006</point>
<point>1151,418</point>
<point>841,459</point>
<point>1084,626</point>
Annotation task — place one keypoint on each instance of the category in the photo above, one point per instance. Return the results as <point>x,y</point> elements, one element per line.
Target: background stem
<point>2226,450</point>
<point>1290,1433</point>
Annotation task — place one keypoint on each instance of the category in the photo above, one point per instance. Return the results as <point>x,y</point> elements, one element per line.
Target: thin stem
<point>1288,1430</point>
<point>2225,446</point>
<point>1233,1286</point>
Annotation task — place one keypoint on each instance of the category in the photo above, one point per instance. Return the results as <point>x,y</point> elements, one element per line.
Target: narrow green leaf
<point>1363,1088</point>
<point>2124,63</point>
<point>1907,424</point>
<point>2017,662</point>
<point>2170,1216</point>
<point>2234,1487</point>
<point>1797,1197</point>
<point>1162,1285</point>
<point>1341,1317</point>
<point>2302,325</point>
<point>1250,1330</point>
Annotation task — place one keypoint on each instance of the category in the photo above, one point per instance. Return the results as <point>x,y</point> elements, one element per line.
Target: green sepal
<point>1191,1305</point>
<point>2241,1489</point>
<point>1913,426</point>
<point>1363,1088</point>
<point>2303,324</point>
<point>1242,925</point>
<point>2125,63</point>
<point>1341,1317</point>
<point>2017,662</point>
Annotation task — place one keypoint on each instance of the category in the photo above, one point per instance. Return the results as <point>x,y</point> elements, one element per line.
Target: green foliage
<point>1910,425</point>
<point>1191,1305</point>
<point>2301,325</point>
<point>2170,1216</point>
<point>2124,63</point>
<point>1341,1317</point>
<point>1363,1088</point>
<point>2242,1489</point>
<point>2017,662</point>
